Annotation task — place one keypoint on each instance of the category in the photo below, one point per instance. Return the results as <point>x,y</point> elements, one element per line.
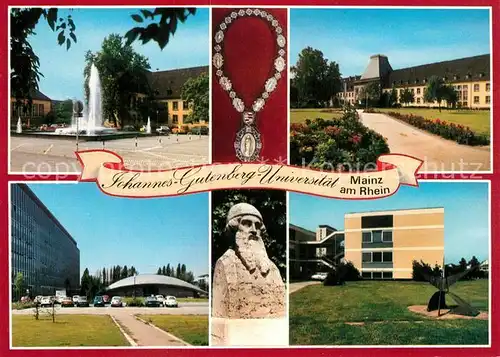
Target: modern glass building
<point>41,248</point>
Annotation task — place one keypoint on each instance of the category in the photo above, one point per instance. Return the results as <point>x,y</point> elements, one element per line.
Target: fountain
<point>19,128</point>
<point>148,126</point>
<point>91,123</point>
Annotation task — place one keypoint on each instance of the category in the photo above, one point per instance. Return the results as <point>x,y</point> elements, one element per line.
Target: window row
<point>377,257</point>
<point>377,275</point>
<point>377,236</point>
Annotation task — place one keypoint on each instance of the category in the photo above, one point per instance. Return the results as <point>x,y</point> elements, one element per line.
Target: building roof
<point>168,84</point>
<point>378,67</point>
<point>300,229</point>
<point>37,95</point>
<point>458,70</point>
<point>153,279</point>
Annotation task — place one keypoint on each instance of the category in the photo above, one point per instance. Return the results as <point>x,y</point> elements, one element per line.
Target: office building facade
<point>41,248</point>
<point>384,244</point>
<point>381,245</point>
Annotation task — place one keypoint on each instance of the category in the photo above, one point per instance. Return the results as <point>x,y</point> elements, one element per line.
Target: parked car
<point>319,276</point>
<point>82,302</point>
<point>160,298</point>
<point>38,299</point>
<point>75,298</point>
<point>47,301</point>
<point>129,128</point>
<point>106,299</point>
<point>67,302</point>
<point>98,301</point>
<point>116,301</point>
<point>151,301</point>
<point>170,301</point>
<point>163,130</point>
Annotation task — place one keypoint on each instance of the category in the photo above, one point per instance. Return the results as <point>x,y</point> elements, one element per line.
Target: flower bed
<point>456,132</point>
<point>340,144</point>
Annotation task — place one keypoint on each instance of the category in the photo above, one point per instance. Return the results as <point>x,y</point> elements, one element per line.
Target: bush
<point>133,301</point>
<point>341,273</point>
<point>421,271</point>
<point>456,132</point>
<point>22,305</point>
<point>340,144</point>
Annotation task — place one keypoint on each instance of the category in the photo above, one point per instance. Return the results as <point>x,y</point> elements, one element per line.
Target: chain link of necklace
<point>279,61</point>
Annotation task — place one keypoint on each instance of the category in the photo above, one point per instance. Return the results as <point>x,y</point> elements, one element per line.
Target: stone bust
<point>246,283</point>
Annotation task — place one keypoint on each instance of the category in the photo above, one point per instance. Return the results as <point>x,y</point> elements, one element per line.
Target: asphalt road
<point>185,308</point>
<point>56,156</point>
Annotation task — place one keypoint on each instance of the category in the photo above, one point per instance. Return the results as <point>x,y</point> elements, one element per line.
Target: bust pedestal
<point>249,332</point>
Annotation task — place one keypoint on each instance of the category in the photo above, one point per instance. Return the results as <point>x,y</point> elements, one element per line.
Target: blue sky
<point>63,70</point>
<point>465,219</point>
<point>145,233</point>
<point>409,37</point>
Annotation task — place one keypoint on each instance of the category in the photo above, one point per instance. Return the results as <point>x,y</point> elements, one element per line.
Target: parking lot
<point>185,308</point>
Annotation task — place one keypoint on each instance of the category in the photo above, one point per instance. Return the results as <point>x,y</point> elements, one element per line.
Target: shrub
<point>422,271</point>
<point>22,305</point>
<point>340,144</point>
<point>133,301</point>
<point>456,132</point>
<point>341,273</point>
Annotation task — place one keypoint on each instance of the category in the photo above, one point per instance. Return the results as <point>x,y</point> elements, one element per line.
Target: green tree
<point>159,272</point>
<point>450,95</point>
<point>196,93</point>
<point>63,112</point>
<point>183,272</point>
<point>104,278</point>
<point>124,273</point>
<point>132,271</point>
<point>435,90</point>
<point>168,270</point>
<point>463,264</point>
<point>393,97</point>
<point>407,96</point>
<point>19,284</point>
<point>25,64</point>
<point>178,271</point>
<point>370,93</point>
<point>316,78</point>
<point>123,73</point>
<point>85,283</point>
<point>272,206</point>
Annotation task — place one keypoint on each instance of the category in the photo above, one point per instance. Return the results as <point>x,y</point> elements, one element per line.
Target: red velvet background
<point>249,50</point>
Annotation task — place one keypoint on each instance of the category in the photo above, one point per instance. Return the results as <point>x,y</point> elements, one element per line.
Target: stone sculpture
<point>247,284</point>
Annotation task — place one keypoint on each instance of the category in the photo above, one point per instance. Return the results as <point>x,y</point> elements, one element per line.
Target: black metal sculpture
<point>438,299</point>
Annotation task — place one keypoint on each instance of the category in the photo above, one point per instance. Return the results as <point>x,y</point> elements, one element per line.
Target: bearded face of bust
<point>249,245</point>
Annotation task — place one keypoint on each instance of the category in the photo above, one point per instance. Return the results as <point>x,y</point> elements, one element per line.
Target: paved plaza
<point>56,156</point>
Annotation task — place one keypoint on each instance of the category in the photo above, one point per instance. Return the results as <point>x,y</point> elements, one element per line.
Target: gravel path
<point>438,154</point>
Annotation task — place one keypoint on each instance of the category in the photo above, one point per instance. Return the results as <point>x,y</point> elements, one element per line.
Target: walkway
<point>144,334</point>
<point>438,154</point>
<point>299,285</point>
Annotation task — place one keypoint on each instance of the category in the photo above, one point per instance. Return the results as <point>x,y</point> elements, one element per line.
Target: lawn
<point>191,328</point>
<point>68,330</point>
<point>318,315</point>
<point>477,120</point>
<point>300,115</point>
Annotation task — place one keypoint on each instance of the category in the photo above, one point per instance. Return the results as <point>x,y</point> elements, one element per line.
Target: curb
<point>127,336</point>
<point>165,332</point>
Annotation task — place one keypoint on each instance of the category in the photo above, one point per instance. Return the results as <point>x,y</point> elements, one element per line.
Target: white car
<point>47,301</point>
<point>170,301</point>
<point>75,298</point>
<point>160,298</point>
<point>319,276</point>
